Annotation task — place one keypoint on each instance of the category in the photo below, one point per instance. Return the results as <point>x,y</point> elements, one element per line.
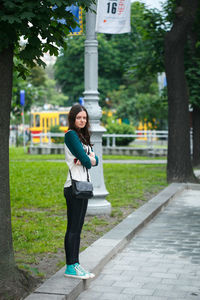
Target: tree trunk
<point>196,135</point>
<point>179,166</point>
<point>14,283</point>
<point>7,263</point>
<point>194,57</point>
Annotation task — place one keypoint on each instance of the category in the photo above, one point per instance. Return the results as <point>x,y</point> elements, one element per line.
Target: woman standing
<point>79,157</point>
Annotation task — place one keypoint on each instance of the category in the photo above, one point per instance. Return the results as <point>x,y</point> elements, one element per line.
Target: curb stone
<point>101,251</point>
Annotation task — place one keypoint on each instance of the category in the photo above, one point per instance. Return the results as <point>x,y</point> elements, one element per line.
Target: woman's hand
<point>77,162</point>
<point>92,154</point>
<point>93,160</point>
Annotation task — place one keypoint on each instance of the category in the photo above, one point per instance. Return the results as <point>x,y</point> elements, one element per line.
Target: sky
<point>151,3</point>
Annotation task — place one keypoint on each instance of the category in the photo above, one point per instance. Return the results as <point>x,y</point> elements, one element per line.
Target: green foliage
<point>114,127</point>
<point>69,69</point>
<point>151,108</point>
<point>56,129</point>
<point>32,95</point>
<point>38,76</point>
<point>115,57</point>
<point>192,62</point>
<point>152,27</point>
<point>39,25</point>
<point>39,89</point>
<point>53,96</point>
<point>128,66</point>
<point>193,79</point>
<point>138,98</point>
<point>136,106</point>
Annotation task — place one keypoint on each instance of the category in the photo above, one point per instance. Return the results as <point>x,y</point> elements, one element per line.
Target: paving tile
<point>90,295</point>
<point>114,296</point>
<point>147,279</point>
<point>137,292</point>
<point>150,285</point>
<point>110,271</point>
<point>174,293</point>
<point>106,289</point>
<point>162,261</point>
<point>164,275</point>
<point>100,282</point>
<point>125,267</point>
<point>134,274</point>
<point>132,284</point>
<point>181,282</point>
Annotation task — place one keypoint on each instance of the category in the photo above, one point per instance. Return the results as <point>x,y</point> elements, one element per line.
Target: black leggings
<point>76,210</point>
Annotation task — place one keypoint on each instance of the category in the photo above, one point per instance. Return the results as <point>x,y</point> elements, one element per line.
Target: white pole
<point>98,205</point>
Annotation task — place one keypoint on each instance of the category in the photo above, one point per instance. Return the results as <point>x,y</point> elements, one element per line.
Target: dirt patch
<point>50,264</point>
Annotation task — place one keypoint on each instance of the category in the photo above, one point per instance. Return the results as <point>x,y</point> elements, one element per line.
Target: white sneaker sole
<point>91,275</point>
<point>78,276</point>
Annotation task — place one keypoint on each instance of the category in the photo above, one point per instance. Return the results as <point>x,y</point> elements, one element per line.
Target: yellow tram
<point>42,121</point>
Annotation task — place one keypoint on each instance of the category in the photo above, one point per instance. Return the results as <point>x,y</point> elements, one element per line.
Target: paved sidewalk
<point>160,257</point>
<point>161,262</point>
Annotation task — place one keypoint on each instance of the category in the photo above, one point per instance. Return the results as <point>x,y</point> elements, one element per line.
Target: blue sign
<point>22,97</point>
<point>77,13</point>
<point>81,100</point>
<point>165,81</point>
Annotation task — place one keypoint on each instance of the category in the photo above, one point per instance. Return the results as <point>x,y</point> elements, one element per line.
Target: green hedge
<point>120,129</point>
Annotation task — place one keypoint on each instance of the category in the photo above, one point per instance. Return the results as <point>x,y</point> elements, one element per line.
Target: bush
<point>120,129</point>
<point>56,129</point>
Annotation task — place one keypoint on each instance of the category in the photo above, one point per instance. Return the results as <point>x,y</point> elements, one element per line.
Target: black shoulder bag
<point>82,189</point>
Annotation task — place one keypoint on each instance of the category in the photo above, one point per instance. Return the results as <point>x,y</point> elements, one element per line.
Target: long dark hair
<point>83,133</point>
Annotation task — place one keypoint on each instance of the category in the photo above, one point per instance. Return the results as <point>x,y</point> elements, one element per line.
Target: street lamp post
<point>98,205</point>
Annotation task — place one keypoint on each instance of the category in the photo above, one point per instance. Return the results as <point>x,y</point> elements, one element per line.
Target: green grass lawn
<point>19,154</point>
<point>39,208</point>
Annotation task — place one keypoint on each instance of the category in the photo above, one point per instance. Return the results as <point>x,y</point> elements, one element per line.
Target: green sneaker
<point>75,272</point>
<point>91,275</point>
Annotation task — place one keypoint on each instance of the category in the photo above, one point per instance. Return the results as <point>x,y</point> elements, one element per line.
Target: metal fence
<point>148,137</point>
<point>45,138</point>
<point>153,140</point>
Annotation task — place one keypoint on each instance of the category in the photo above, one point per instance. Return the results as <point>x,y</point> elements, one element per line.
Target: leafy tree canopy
<point>38,76</point>
<point>118,54</point>
<point>151,58</point>
<point>39,89</point>
<point>69,68</point>
<point>38,23</point>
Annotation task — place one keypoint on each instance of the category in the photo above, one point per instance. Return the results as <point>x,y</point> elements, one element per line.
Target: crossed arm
<point>73,143</point>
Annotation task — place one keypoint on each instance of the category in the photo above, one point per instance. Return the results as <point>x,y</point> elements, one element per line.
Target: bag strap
<point>86,171</point>
<point>70,175</point>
